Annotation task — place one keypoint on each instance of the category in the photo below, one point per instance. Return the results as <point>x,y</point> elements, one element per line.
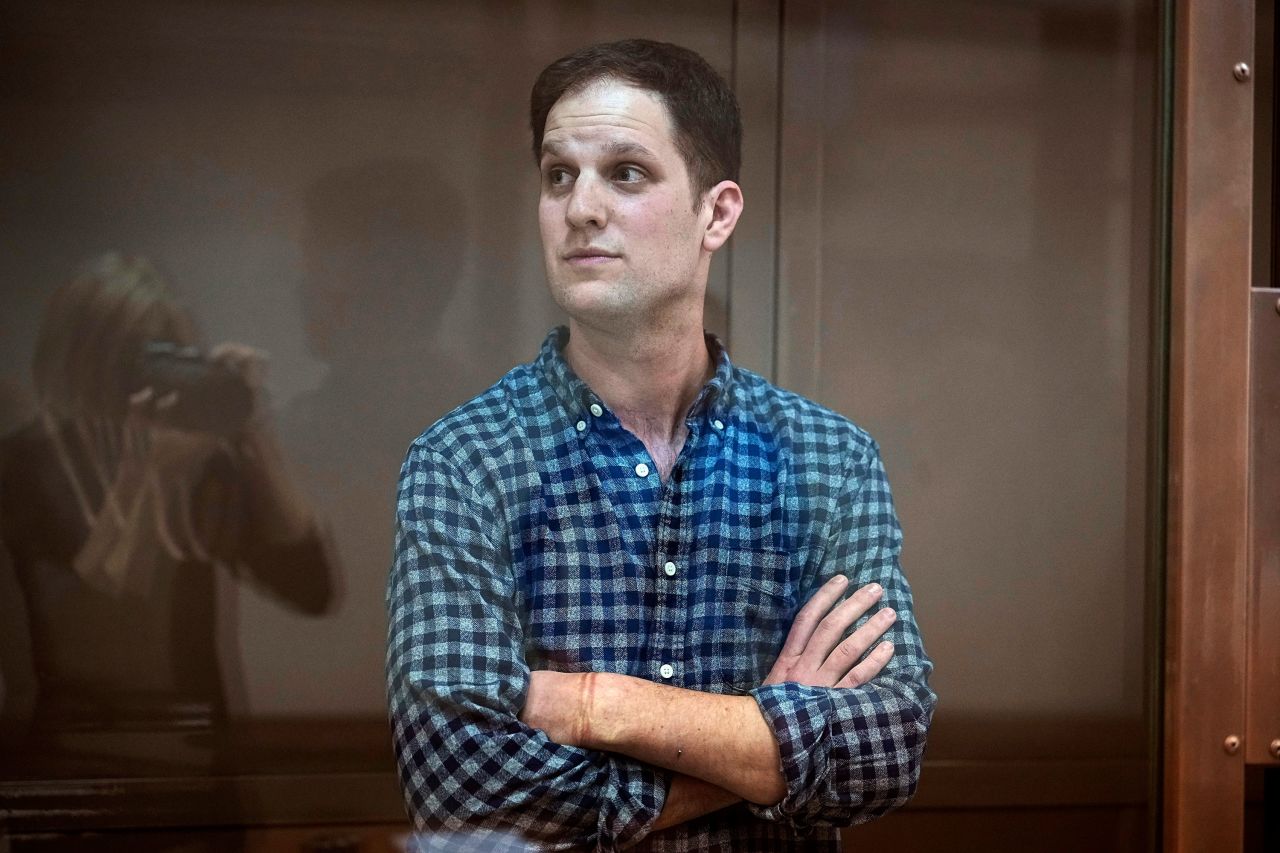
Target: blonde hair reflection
<point>145,476</point>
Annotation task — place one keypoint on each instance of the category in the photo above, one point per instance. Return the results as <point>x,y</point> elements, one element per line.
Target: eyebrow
<point>617,149</point>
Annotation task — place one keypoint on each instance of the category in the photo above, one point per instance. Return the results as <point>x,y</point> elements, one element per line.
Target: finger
<point>236,353</point>
<point>249,362</point>
<point>836,624</point>
<point>869,668</point>
<point>142,405</point>
<point>845,655</point>
<point>226,351</point>
<point>802,627</point>
<point>168,401</point>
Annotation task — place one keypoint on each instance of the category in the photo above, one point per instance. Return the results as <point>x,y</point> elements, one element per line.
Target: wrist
<point>603,697</point>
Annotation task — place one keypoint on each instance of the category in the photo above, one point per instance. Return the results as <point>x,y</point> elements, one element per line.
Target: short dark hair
<point>704,113</point>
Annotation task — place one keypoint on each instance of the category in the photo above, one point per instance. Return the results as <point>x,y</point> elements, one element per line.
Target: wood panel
<point>1208,428</point>
<point>97,805</point>
<point>342,838</point>
<point>1098,829</point>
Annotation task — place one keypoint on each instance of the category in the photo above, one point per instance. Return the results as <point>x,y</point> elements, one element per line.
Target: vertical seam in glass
<point>780,68</point>
<point>1158,429</point>
<point>730,267</point>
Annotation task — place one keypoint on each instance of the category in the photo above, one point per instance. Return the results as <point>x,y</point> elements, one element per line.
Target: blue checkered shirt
<point>529,536</point>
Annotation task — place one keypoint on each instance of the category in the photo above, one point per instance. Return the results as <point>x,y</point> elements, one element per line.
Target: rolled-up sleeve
<point>852,754</point>
<point>457,680</point>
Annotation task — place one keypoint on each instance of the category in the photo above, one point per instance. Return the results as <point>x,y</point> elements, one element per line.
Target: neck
<point>649,379</point>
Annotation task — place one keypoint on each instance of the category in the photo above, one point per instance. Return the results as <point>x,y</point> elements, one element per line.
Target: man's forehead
<point>622,113</point>
<point>614,147</point>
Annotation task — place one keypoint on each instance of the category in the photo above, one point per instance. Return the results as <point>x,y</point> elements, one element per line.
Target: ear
<point>724,200</point>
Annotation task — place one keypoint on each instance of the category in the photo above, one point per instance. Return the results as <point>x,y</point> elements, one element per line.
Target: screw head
<point>1241,71</point>
<point>1231,745</point>
<point>1274,748</point>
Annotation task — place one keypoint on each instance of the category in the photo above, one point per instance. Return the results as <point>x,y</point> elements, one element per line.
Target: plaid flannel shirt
<point>533,532</point>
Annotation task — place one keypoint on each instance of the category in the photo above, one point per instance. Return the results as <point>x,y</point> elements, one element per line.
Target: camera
<point>211,397</point>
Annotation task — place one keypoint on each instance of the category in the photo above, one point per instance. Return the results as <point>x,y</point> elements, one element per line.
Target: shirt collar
<point>713,400</point>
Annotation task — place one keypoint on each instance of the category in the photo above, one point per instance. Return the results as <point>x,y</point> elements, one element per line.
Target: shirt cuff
<point>639,792</point>
<point>800,717</point>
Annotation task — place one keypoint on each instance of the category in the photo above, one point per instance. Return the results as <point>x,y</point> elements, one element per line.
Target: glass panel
<point>344,193</point>
<point>985,294</point>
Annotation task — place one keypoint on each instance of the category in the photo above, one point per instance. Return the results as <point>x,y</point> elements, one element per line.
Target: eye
<point>558,176</point>
<point>630,174</point>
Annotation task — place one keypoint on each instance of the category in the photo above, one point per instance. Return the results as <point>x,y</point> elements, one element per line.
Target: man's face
<point>620,238</point>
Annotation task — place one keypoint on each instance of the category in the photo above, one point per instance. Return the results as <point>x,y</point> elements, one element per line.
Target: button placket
<point>671,582</point>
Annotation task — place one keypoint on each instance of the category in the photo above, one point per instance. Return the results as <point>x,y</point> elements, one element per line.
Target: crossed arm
<point>485,743</point>
<point>722,747</point>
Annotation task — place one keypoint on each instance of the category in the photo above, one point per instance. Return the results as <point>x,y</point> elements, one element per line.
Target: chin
<point>571,291</point>
<point>595,303</point>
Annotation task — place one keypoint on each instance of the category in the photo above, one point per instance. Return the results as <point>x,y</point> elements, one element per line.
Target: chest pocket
<point>742,606</point>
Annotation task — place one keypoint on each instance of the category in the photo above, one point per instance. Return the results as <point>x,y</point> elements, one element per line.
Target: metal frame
<point>1207,561</point>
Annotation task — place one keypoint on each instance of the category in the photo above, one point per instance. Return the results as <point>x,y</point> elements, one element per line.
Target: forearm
<point>275,508</point>
<point>719,739</point>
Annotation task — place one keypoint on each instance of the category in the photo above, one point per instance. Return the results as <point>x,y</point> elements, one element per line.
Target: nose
<point>587,206</point>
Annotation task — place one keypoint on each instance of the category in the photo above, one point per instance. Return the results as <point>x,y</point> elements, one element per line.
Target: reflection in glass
<point>149,468</point>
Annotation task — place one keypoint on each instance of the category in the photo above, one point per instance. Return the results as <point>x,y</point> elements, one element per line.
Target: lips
<point>589,255</point>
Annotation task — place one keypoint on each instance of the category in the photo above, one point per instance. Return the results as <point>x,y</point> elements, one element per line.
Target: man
<point>594,637</point>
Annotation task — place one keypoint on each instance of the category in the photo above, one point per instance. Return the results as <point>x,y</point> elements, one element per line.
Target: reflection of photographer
<point>152,463</point>
<point>195,391</point>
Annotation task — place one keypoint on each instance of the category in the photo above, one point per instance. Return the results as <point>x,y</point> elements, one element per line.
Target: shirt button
<point>596,410</point>
<point>642,470</point>
<point>666,670</point>
<point>669,568</point>
<point>581,425</point>
<point>718,424</point>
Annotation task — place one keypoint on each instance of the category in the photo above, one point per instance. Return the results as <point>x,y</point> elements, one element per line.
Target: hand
<point>814,653</point>
<point>165,408</point>
<point>558,703</point>
<point>249,362</point>
<point>146,409</point>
